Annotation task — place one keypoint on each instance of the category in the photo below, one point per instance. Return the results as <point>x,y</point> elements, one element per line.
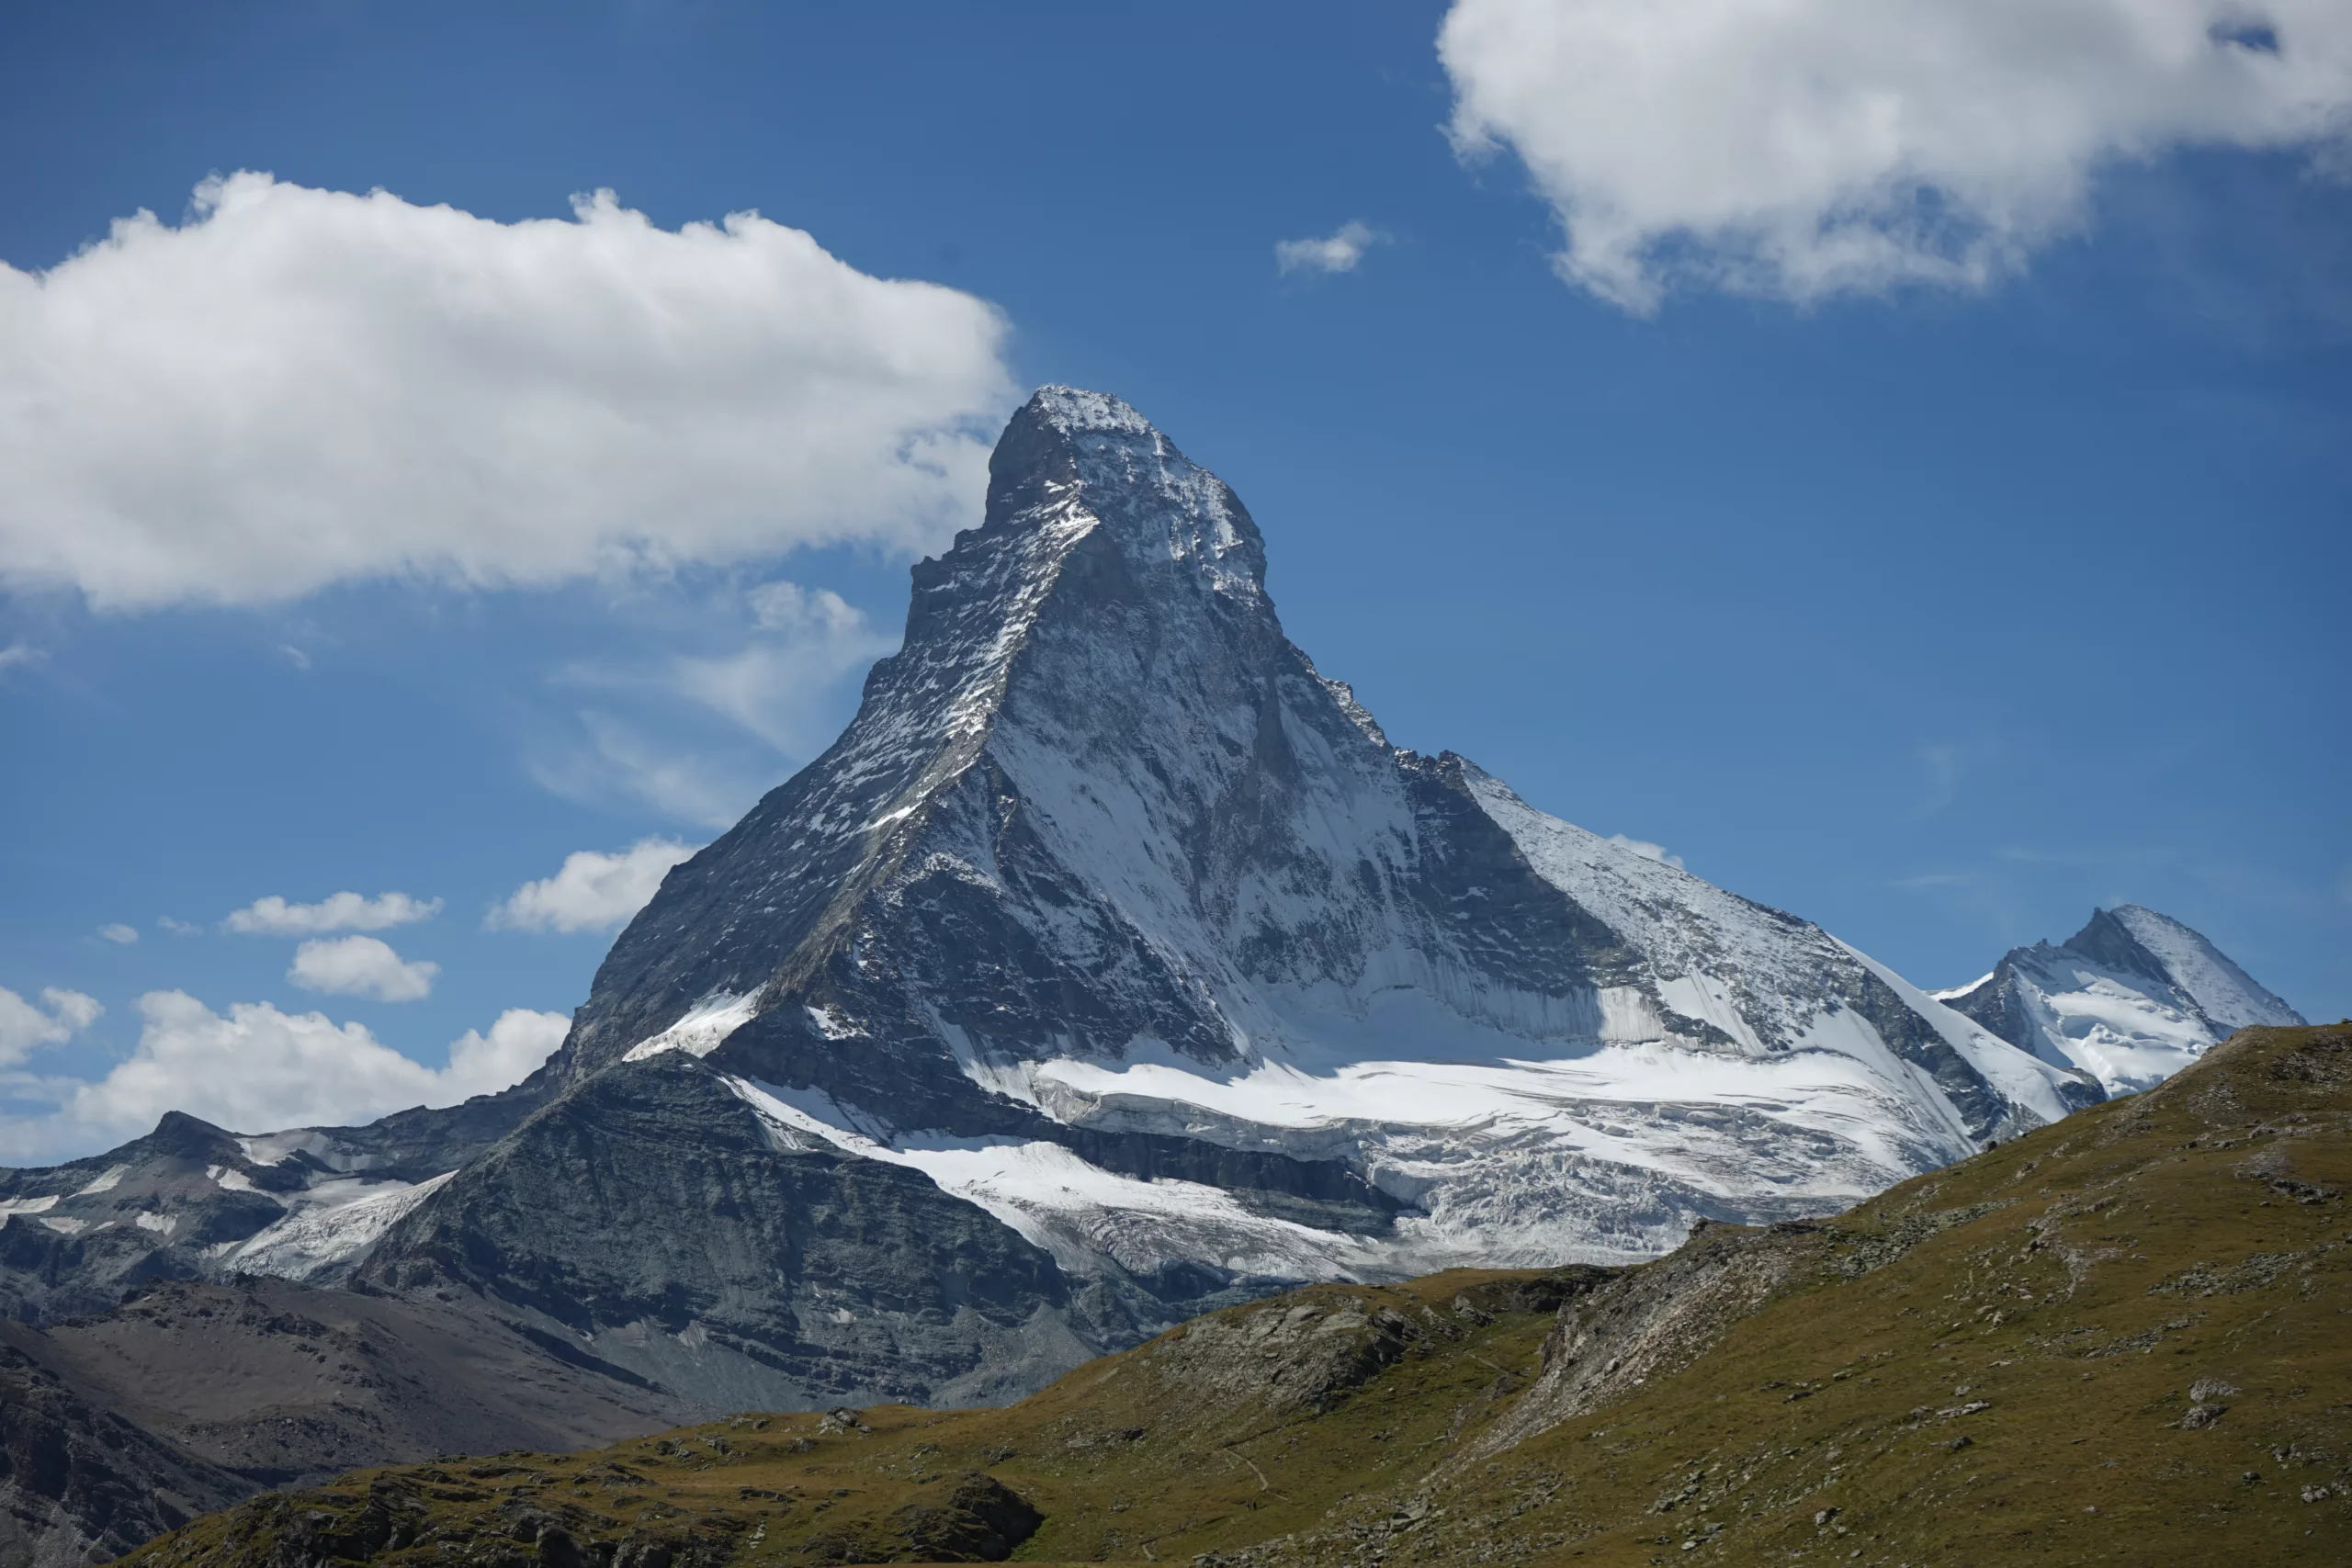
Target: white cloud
<point>178,928</point>
<point>273,916</point>
<point>17,653</point>
<point>593,891</point>
<point>24,1028</point>
<point>119,933</point>
<point>1647,851</point>
<point>512,1052</point>
<point>360,966</point>
<point>297,387</point>
<point>1336,252</point>
<point>1800,148</point>
<point>258,1069</point>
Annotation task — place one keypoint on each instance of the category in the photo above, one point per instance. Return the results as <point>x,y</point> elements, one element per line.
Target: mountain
<point>2118,1340</point>
<point>2131,998</point>
<point>1113,965</point>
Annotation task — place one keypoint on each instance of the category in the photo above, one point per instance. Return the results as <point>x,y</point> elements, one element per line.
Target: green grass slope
<point>2124,1338</point>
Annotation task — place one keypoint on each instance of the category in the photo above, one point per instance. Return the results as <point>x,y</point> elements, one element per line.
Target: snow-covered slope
<point>1107,884</point>
<point>2131,998</point>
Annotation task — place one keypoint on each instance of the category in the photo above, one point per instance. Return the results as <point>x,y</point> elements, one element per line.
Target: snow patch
<point>703,1029</point>
<point>106,1182</point>
<point>337,1222</point>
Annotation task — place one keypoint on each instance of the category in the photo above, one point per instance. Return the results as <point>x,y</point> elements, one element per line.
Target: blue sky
<point>1938,599</point>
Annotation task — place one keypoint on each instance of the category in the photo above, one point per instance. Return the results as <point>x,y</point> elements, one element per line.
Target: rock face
<point>2131,998</point>
<point>80,1483</point>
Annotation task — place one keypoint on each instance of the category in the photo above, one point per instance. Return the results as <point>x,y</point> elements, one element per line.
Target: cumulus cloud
<point>511,1052</point>
<point>25,1028</point>
<point>1800,148</point>
<point>296,388</point>
<point>273,916</point>
<point>593,891</point>
<point>119,934</point>
<point>1647,851</point>
<point>257,1069</point>
<point>1337,251</point>
<point>360,966</point>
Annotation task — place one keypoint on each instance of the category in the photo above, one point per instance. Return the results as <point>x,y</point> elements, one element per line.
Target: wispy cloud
<point>24,1027</point>
<point>1647,851</point>
<point>1337,251</point>
<point>700,732</point>
<point>273,916</point>
<point>119,934</point>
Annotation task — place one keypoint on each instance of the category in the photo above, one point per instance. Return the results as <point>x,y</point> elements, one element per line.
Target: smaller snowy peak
<point>2132,998</point>
<point>2225,993</point>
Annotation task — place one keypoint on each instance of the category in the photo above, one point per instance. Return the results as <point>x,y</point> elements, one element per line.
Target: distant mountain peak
<point>2131,997</point>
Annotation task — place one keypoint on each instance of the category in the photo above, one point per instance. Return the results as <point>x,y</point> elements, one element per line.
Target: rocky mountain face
<point>2131,998</point>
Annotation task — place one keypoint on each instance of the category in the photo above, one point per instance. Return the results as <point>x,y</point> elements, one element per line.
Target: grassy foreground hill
<point>2125,1337</point>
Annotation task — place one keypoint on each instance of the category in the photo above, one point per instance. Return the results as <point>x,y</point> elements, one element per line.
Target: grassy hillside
<point>2124,1338</point>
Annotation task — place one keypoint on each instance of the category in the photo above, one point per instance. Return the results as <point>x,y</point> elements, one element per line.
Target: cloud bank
<point>593,891</point>
<point>273,916</point>
<point>257,1069</point>
<point>297,387</point>
<point>1802,148</point>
